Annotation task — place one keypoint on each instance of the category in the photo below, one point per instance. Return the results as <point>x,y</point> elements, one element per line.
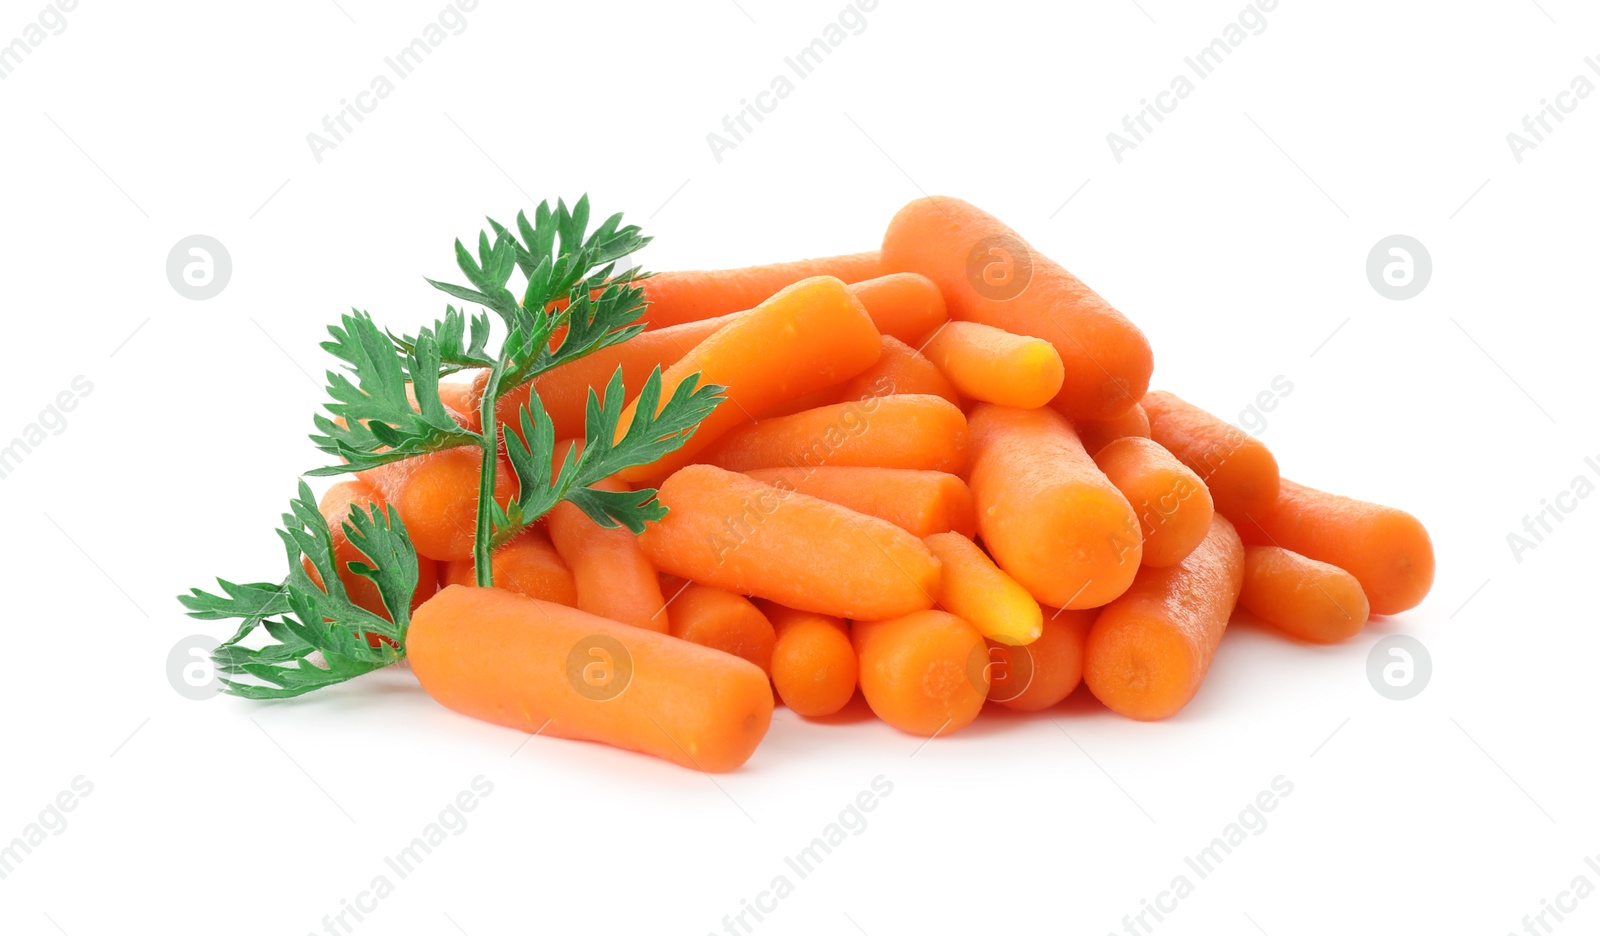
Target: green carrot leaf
<point>318,636</point>
<point>611,509</point>
<point>656,429</point>
<point>254,600</point>
<point>651,435</point>
<point>488,273</point>
<point>371,420</point>
<point>462,341</point>
<point>556,254</point>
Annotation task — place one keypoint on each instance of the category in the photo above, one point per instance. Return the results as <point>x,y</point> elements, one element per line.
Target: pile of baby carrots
<point>937,477</point>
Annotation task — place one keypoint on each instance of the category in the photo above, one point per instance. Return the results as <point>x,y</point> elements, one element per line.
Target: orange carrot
<point>437,496</point>
<point>1387,550</point>
<point>973,589</point>
<point>1037,676</point>
<point>900,369</point>
<point>898,431</point>
<point>1302,597</point>
<point>904,303</point>
<point>613,577</point>
<point>713,617</point>
<point>542,667</point>
<point>919,502</point>
<point>1150,649</point>
<point>460,399</point>
<point>923,673</point>
<point>1236,467</point>
<point>564,391</point>
<point>801,403</point>
<point>809,336</point>
<point>905,306</point>
<point>734,532</point>
<point>528,565</point>
<point>335,507</point>
<point>990,275</point>
<point>1045,511</point>
<point>1097,433</point>
<point>986,363</point>
<point>693,295</point>
<point>813,662</point>
<point>1173,505</point>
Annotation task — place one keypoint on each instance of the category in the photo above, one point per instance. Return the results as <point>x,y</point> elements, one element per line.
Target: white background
<point>1236,236</point>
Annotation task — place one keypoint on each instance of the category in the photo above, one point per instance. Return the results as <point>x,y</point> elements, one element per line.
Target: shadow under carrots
<point>854,712</point>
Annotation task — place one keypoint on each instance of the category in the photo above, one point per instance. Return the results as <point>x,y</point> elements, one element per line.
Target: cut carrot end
<point>1139,667</point>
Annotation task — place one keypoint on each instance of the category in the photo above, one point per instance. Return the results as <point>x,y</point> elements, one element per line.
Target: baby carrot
<point>919,502</point>
<point>713,617</point>
<point>898,431</point>
<point>923,673</point>
<point>813,662</point>
<point>900,369</point>
<point>437,496</point>
<point>1236,467</point>
<point>1097,433</point>
<point>990,275</point>
<point>971,588</point>
<point>809,336</point>
<point>459,398</point>
<point>1150,649</point>
<point>1046,513</point>
<point>1387,550</point>
<point>986,363</point>
<point>692,295</point>
<point>734,532</point>
<point>1302,597</point>
<point>613,577</point>
<point>537,666</point>
<point>1173,505</point>
<point>335,506</point>
<point>564,391</point>
<point>1037,676</point>
<point>528,565</point>
<point>903,305</point>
